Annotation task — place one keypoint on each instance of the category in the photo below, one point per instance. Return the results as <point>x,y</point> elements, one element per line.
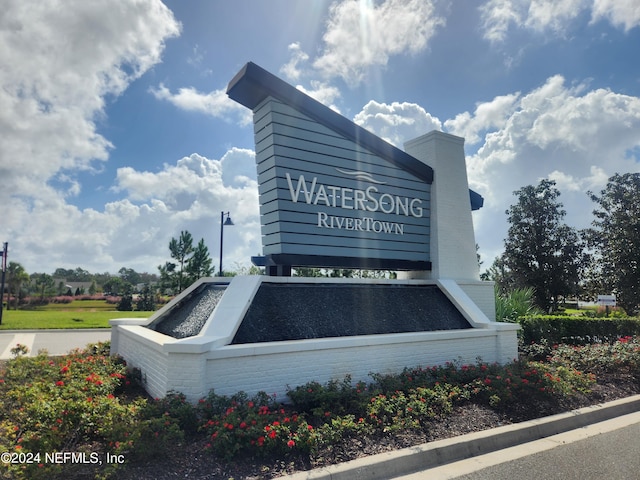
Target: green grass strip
<point>54,319</point>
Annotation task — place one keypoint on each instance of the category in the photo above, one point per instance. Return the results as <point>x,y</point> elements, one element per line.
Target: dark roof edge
<point>252,84</point>
<point>477,201</point>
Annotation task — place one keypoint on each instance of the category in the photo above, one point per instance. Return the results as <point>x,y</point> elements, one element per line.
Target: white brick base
<point>195,365</point>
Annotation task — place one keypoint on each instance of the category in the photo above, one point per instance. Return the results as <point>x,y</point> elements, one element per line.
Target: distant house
<point>140,286</point>
<point>71,288</point>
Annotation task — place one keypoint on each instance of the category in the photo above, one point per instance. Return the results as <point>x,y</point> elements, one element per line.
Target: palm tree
<point>17,276</point>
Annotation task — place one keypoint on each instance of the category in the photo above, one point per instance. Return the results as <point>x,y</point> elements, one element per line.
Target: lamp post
<point>223,222</point>
<point>3,265</point>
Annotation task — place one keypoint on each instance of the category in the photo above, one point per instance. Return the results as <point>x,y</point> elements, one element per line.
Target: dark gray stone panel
<point>282,312</point>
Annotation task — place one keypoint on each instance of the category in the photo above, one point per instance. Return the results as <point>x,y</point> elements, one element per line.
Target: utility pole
<point>4,252</point>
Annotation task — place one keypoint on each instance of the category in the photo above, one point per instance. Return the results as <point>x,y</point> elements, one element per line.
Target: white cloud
<point>398,122</point>
<point>568,183</point>
<point>216,103</point>
<point>135,230</point>
<point>358,35</point>
<point>291,69</point>
<point>497,16</point>
<point>487,115</point>
<point>323,92</point>
<point>62,62</point>
<point>195,182</point>
<point>361,34</point>
<point>190,196</point>
<point>621,13</point>
<point>553,15</point>
<point>568,134</point>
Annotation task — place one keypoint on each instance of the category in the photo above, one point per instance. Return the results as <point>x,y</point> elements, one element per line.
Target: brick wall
<point>271,367</point>
<point>195,365</point>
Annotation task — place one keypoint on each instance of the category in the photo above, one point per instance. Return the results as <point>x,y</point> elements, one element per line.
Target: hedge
<point>576,330</point>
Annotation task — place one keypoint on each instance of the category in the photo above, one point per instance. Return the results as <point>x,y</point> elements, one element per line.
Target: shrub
<point>576,330</point>
<point>71,403</point>
<point>125,304</point>
<point>91,297</point>
<point>338,397</point>
<point>258,425</point>
<point>400,410</point>
<point>68,404</point>
<point>514,304</point>
<point>175,406</point>
<point>599,358</point>
<point>62,299</point>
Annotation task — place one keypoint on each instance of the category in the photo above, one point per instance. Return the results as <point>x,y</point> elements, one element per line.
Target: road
<point>607,450</point>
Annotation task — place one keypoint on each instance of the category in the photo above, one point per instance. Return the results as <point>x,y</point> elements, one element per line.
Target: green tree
<point>168,277</point>
<point>191,263</point>
<point>499,273</point>
<point>126,301</point>
<point>146,300</point>
<point>113,286</point>
<point>129,275</point>
<point>16,276</point>
<point>541,251</point>
<point>63,273</point>
<point>614,240</point>
<point>200,263</point>
<point>180,250</point>
<point>60,288</point>
<point>44,284</point>
<point>148,278</point>
<point>101,279</point>
<point>308,272</point>
<point>252,270</point>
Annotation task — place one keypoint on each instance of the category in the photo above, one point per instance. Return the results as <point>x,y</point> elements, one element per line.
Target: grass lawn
<point>79,314</point>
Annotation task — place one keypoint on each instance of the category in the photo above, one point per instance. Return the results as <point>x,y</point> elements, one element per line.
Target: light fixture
<point>223,222</point>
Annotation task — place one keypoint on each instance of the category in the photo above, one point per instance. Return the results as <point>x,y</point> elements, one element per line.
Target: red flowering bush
<point>258,425</point>
<point>83,402</point>
<point>600,357</point>
<point>54,404</point>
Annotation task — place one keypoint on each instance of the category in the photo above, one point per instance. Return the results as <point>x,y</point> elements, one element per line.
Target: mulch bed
<point>191,461</point>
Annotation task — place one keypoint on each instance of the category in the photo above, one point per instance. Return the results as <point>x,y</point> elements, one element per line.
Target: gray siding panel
<point>289,143</point>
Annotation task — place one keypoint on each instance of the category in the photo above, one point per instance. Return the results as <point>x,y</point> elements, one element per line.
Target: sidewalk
<point>55,342</point>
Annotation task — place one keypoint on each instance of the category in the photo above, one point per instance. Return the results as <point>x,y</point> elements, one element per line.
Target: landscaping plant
<point>87,402</point>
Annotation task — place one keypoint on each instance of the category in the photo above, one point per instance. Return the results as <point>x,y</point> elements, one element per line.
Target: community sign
<point>332,194</point>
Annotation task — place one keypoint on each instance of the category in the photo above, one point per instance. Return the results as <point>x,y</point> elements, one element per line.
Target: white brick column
<point>453,245</point>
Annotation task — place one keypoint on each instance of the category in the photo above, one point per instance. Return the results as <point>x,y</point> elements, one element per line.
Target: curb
<point>428,455</point>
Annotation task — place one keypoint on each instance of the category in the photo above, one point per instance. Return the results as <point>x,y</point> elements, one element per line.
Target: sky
<point>116,133</point>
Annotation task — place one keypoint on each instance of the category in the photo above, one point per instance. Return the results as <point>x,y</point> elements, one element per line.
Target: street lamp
<point>3,267</point>
<point>223,222</point>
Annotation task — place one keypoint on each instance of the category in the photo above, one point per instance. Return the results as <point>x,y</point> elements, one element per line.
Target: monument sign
<point>332,194</point>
